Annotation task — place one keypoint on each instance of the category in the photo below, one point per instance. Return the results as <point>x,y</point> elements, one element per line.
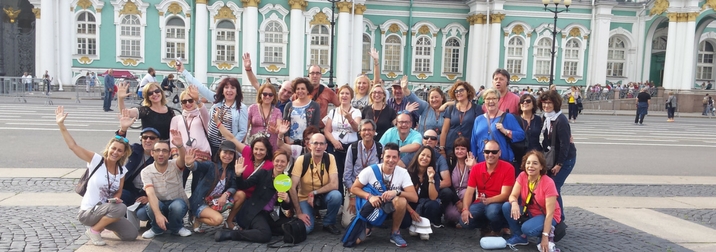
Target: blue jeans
<point>429,209</point>
<point>561,176</point>
<point>128,198</point>
<point>332,201</point>
<point>173,210</point>
<point>107,99</point>
<point>532,227</point>
<point>481,214</point>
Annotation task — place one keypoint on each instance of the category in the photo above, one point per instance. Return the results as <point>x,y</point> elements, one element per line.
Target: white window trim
<point>581,53</point>
<point>308,15</point>
<point>712,65</point>
<point>415,33</point>
<point>401,34</point>
<point>544,31</point>
<point>623,61</point>
<point>96,4</point>
<point>369,29</point>
<point>453,30</point>
<point>226,43</point>
<point>262,35</point>
<point>629,56</point>
<point>213,11</point>
<point>526,38</point>
<point>523,57</point>
<point>76,36</point>
<point>163,7</point>
<point>142,7</point>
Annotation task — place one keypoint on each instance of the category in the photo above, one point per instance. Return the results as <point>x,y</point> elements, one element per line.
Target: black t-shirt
<point>643,97</point>
<point>383,118</point>
<point>161,122</point>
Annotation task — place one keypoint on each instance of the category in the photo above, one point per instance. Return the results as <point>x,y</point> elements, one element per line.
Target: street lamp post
<point>556,11</point>
<point>333,39</point>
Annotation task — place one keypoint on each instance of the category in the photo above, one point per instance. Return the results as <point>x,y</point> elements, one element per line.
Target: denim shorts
<point>199,209</point>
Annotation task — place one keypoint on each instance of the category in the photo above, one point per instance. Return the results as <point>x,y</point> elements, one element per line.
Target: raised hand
<point>431,172</point>
<point>218,114</point>
<point>284,126</point>
<point>412,106</point>
<point>470,160</point>
<point>122,90</point>
<point>125,119</point>
<point>404,82</point>
<point>190,157</point>
<point>60,115</point>
<point>239,166</point>
<point>193,93</point>
<point>180,66</point>
<point>247,60</point>
<point>273,127</point>
<point>374,54</point>
<point>176,137</point>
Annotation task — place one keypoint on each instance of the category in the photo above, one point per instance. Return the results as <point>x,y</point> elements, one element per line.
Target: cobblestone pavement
<point>40,228</point>
<point>639,190</point>
<point>706,217</point>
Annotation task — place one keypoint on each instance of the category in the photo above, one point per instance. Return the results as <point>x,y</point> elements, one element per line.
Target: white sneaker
<point>149,234</point>
<point>95,238</point>
<point>424,237</point>
<point>183,232</point>
<point>411,233</point>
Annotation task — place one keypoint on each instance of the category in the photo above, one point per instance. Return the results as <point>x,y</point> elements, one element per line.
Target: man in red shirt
<point>493,181</point>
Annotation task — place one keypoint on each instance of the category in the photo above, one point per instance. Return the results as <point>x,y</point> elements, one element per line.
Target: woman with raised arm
<point>379,112</point>
<point>342,129</point>
<point>101,206</point>
<point>302,112</point>
<point>154,112</point>
<point>362,85</point>
<point>192,124</point>
<point>263,116</point>
<point>432,118</point>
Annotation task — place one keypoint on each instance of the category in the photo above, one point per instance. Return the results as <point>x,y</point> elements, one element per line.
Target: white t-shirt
<point>97,188</point>
<point>399,180</point>
<point>340,125</point>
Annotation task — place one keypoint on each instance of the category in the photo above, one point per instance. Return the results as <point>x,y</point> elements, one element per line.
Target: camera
<point>112,200</point>
<point>318,201</point>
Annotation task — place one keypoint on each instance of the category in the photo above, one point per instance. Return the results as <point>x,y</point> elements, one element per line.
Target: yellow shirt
<point>571,99</point>
<point>313,179</point>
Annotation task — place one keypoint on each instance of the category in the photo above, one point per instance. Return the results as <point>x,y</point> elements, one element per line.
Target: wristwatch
<point>545,234</point>
<point>397,192</point>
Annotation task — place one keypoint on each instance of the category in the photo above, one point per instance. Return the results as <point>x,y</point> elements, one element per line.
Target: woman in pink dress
<point>263,116</point>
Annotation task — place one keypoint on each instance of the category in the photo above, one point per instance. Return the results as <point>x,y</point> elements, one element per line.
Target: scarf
<point>189,114</point>
<point>550,117</point>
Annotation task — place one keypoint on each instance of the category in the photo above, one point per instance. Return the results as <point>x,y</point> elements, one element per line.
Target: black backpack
<point>307,158</point>
<point>378,152</point>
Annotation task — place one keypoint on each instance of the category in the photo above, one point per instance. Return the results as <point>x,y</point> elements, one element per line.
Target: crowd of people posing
<point>498,167</point>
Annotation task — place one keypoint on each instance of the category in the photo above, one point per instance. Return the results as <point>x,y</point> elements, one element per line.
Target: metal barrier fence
<point>18,87</point>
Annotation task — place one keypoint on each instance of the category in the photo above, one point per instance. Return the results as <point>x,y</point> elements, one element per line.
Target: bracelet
<point>545,234</point>
<point>432,181</point>
<point>464,209</point>
<point>180,146</point>
<point>218,125</point>
<point>247,69</point>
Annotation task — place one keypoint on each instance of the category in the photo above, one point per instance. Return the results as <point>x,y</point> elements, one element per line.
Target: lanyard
<point>322,172</point>
<point>265,117</point>
<point>531,187</point>
<point>461,174</point>
<point>366,155</point>
<point>376,117</point>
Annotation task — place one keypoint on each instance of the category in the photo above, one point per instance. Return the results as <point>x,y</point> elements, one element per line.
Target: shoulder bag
<point>81,187</point>
<point>550,155</point>
<point>518,148</point>
<point>294,232</point>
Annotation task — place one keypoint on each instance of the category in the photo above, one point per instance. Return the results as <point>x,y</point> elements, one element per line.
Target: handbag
<point>81,187</point>
<point>550,155</point>
<point>214,204</point>
<point>518,148</point>
<point>294,232</point>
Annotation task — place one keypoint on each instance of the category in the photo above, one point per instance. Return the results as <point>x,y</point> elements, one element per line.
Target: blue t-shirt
<point>392,136</point>
<point>461,123</point>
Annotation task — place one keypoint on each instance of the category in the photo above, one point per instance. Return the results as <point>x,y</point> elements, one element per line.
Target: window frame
<point>83,48</point>
<point>423,54</point>
<point>701,65</point>
<point>321,49</point>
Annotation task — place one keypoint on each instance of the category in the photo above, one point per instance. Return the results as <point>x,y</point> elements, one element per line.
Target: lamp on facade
<point>333,39</point>
<point>556,11</point>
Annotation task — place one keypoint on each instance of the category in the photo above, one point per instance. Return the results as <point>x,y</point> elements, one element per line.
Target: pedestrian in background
<point>643,99</point>
<point>572,100</point>
<point>670,106</point>
<point>108,90</point>
<point>48,81</point>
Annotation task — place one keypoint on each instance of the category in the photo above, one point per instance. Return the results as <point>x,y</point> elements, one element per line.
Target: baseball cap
<point>227,145</point>
<point>150,129</point>
<point>396,82</point>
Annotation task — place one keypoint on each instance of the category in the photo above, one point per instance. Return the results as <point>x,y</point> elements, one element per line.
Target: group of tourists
<point>498,167</point>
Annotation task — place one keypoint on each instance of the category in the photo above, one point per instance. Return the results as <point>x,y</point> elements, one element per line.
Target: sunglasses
<point>267,94</point>
<point>430,138</point>
<point>156,91</point>
<point>187,101</point>
<point>527,101</point>
<point>120,138</point>
<point>149,137</point>
<point>494,152</point>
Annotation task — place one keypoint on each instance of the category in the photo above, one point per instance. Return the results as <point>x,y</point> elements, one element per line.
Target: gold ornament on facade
<point>709,3</point>
<point>98,10</point>
<point>11,13</point>
<point>251,3</point>
<point>273,68</point>
<point>130,8</point>
<point>84,4</point>
<point>575,32</point>
<point>571,80</point>
<point>84,60</point>
<point>187,15</point>
<point>129,62</point>
<point>37,12</point>
<point>542,79</point>
<point>480,19</point>
<point>359,9</point>
<point>451,76</point>
<point>471,19</point>
<point>225,13</point>
<point>422,76</point>
<point>660,7</point>
<point>298,4</point>
<point>172,63</point>
<point>161,13</point>
<point>174,8</point>
<point>394,28</point>
<point>344,6</point>
<point>497,18</point>
<point>225,66</point>
<point>391,75</point>
<point>518,29</point>
<point>201,1</point>
<point>424,30</point>
<point>320,19</point>
<point>691,16</point>
<point>515,78</point>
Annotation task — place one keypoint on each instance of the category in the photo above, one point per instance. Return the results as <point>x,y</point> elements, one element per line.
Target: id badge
<point>342,135</point>
<point>274,215</point>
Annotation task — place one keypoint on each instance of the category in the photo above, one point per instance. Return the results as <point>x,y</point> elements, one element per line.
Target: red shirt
<point>491,184</point>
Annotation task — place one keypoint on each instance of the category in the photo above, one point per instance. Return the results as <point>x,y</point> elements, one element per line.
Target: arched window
<point>452,56</point>
<point>320,45</point>
<point>366,53</point>
<point>130,37</point>
<point>543,56</point>
<point>616,57</point>
<point>273,43</point>
<point>86,34</point>
<point>423,55</point>
<point>225,41</point>
<point>175,38</point>
<point>705,63</point>
<point>515,49</point>
<point>571,58</point>
<point>392,54</point>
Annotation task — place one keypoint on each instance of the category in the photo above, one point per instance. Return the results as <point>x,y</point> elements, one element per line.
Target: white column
<point>250,33</point>
<point>479,55</point>
<point>600,43</point>
<point>342,47</point>
<point>66,44</point>
<point>469,74</point>
<point>494,47</point>
<point>48,43</point>
<point>357,49</point>
<point>639,61</point>
<point>687,57</point>
<point>201,56</point>
<point>38,42</point>
<point>670,58</point>
<point>296,40</point>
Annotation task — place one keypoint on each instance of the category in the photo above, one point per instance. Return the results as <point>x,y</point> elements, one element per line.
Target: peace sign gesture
<point>470,161</point>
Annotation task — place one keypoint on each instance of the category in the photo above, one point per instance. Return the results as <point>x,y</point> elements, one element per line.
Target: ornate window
<point>451,56</point>
<point>175,39</point>
<point>274,43</point>
<point>571,58</point>
<point>423,57</point>
<point>320,45</point>
<point>515,55</point>
<point>130,36</point>
<point>704,65</point>
<point>226,41</point>
<point>367,45</point>
<point>393,53</point>
<point>616,57</point>
<point>543,56</point>
<point>86,34</point>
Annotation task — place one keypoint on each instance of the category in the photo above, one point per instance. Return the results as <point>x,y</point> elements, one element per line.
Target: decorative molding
<point>172,63</point>
<point>391,75</point>
<point>225,66</point>
<point>518,29</point>
<point>130,62</point>
<point>515,78</point>
<point>393,28</point>
<point>12,13</point>
<point>251,3</point>
<point>84,4</point>
<point>225,13</point>
<point>451,77</point>
<point>37,12</point>
<point>98,10</point>
<point>130,8</point>
<point>174,8</point>
<point>422,76</point>
<point>320,19</point>
<point>571,80</point>
<point>480,18</point>
<point>344,7</point>
<point>709,3</point>
<point>424,30</point>
<point>273,68</point>
<point>574,32</point>
<point>682,17</point>
<point>298,4</point>
<point>359,9</point>
<point>660,6</point>
<point>84,60</point>
<point>497,18</point>
<point>201,1</point>
<point>543,79</point>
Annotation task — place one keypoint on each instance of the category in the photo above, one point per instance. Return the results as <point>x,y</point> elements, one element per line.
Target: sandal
<point>235,228</point>
<point>198,229</point>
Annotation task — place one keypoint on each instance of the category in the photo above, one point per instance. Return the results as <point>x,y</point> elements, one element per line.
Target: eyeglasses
<point>149,137</point>
<point>491,99</point>
<point>367,130</point>
<point>527,101</point>
<point>187,101</point>
<point>120,138</point>
<point>458,91</point>
<point>161,150</point>
<point>403,122</point>
<point>493,152</point>
<point>434,138</point>
<point>156,91</point>
<point>319,143</point>
<point>314,73</point>
<point>267,94</point>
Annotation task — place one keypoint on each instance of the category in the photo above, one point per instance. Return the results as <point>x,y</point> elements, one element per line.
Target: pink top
<point>248,161</point>
<point>509,102</point>
<point>197,122</point>
<point>257,124</point>
<point>545,188</point>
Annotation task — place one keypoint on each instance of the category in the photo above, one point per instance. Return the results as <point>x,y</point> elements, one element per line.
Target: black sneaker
<point>332,229</point>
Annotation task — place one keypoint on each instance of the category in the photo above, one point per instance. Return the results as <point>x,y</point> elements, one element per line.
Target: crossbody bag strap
<point>96,168</point>
<point>554,131</point>
<point>378,176</point>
